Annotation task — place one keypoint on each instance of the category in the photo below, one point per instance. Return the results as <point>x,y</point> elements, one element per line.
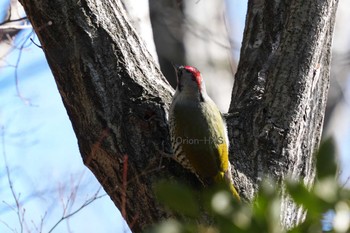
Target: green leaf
<point>168,226</point>
<point>302,196</point>
<point>326,164</point>
<point>178,197</point>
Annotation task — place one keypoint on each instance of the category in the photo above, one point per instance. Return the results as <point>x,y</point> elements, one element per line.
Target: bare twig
<point>37,45</point>
<point>86,203</point>
<point>96,146</point>
<point>17,27</point>
<point>40,227</point>
<point>125,183</point>
<point>134,221</point>
<point>25,100</point>
<point>8,226</point>
<point>12,20</point>
<point>19,211</point>
<point>345,183</point>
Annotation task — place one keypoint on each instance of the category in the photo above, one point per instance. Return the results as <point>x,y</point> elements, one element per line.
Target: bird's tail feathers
<point>224,177</point>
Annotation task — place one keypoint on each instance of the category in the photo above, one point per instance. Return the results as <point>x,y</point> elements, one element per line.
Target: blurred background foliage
<point>327,204</point>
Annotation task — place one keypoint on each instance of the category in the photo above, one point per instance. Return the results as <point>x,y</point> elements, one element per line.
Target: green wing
<point>201,133</point>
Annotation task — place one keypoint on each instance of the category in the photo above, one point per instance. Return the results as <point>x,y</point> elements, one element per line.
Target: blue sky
<point>42,153</point>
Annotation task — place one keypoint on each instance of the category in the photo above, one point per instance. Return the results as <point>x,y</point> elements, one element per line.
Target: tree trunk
<point>115,96</point>
<point>280,93</point>
<point>117,99</point>
<point>167,23</point>
<point>139,15</point>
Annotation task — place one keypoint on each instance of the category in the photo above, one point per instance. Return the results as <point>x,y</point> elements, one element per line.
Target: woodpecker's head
<point>189,81</point>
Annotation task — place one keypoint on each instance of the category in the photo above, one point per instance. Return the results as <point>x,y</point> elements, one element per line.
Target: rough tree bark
<point>167,24</point>
<point>115,96</point>
<point>117,99</point>
<point>280,92</point>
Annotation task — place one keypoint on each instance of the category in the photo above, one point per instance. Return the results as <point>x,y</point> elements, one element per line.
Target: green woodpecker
<point>198,132</point>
